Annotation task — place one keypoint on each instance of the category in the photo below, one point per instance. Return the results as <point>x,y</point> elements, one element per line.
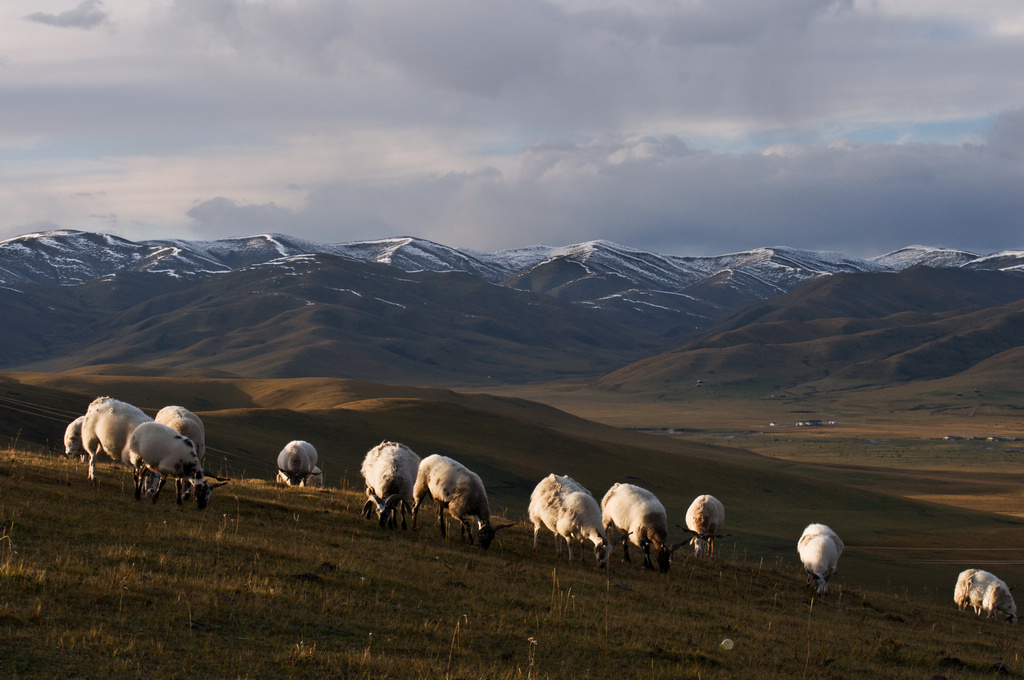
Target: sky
<point>686,127</point>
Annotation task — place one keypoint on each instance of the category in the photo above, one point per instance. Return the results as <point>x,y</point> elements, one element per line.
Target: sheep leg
<point>404,506</point>
<point>625,552</point>
<point>467,529</point>
<point>179,488</point>
<point>138,484</point>
<point>156,494</point>
<point>440,519</point>
<point>417,501</point>
<point>647,556</point>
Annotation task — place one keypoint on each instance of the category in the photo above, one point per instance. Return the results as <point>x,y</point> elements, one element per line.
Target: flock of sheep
<point>173,443</point>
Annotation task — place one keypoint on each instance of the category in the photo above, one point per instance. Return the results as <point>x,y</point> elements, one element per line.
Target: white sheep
<point>73,439</point>
<point>984,592</point>
<point>108,425</point>
<point>460,491</point>
<point>705,519</point>
<point>568,510</point>
<point>640,519</point>
<point>160,449</point>
<point>188,424</point>
<point>296,465</point>
<point>183,421</point>
<point>390,471</point>
<point>819,549</point>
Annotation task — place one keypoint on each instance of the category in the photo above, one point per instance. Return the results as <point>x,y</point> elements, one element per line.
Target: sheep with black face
<point>389,470</point>
<point>157,448</point>
<point>460,491</point>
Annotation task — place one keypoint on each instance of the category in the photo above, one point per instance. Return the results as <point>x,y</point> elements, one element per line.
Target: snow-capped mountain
<point>73,257</point>
<point>393,309</point>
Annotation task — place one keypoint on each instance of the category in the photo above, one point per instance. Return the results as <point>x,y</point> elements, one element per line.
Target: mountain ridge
<point>408,310</point>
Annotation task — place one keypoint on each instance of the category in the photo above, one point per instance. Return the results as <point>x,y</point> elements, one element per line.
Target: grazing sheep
<point>705,519</point>
<point>640,518</point>
<point>819,549</point>
<point>568,510</point>
<point>108,425</point>
<point>984,592</point>
<point>183,421</point>
<point>160,449</point>
<point>460,491</point>
<point>188,424</point>
<point>73,439</point>
<point>389,470</point>
<point>296,465</point>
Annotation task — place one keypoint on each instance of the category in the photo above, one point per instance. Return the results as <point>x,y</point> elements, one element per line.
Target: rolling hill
<point>512,444</point>
<point>850,329</point>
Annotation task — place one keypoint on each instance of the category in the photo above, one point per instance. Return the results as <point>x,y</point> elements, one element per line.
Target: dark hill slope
<point>321,316</point>
<point>874,327</point>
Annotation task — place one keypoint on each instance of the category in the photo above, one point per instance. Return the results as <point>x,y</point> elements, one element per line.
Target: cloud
<point>656,192</point>
<point>685,125</point>
<point>88,14</point>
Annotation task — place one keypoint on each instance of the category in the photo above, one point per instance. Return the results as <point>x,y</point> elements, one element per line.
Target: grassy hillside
<point>513,443</point>
<point>275,582</point>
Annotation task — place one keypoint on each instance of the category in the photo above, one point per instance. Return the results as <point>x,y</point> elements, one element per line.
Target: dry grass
<point>286,583</point>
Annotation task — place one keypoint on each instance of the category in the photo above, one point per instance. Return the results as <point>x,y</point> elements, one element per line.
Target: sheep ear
<point>688,530</point>
<point>504,526</point>
<point>721,535</point>
<point>392,500</point>
<point>215,485</point>
<point>677,546</point>
<point>220,479</point>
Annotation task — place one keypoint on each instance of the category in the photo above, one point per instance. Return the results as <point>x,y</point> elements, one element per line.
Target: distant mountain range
<point>409,310</point>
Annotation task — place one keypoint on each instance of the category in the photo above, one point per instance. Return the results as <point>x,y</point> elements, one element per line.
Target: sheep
<point>108,425</point>
<point>184,422</point>
<point>73,439</point>
<point>296,465</point>
<point>188,424</point>
<point>640,518</point>
<point>390,471</point>
<point>568,510</point>
<point>819,549</point>
<point>158,448</point>
<point>984,592</point>
<point>460,491</point>
<point>705,519</point>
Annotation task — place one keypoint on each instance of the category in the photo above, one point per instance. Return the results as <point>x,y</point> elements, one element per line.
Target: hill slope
<point>400,310</point>
<point>273,582</point>
<point>513,444</point>
<point>872,328</point>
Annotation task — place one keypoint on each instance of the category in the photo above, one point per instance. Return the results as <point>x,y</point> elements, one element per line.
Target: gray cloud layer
<point>658,193</point>
<point>682,125</point>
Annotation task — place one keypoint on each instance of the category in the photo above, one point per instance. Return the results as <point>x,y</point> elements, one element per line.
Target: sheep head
<point>486,533</point>
<point>602,551</point>
<point>204,490</point>
<point>386,510</point>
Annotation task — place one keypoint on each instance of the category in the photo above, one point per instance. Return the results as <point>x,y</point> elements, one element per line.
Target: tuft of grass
<point>291,583</point>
